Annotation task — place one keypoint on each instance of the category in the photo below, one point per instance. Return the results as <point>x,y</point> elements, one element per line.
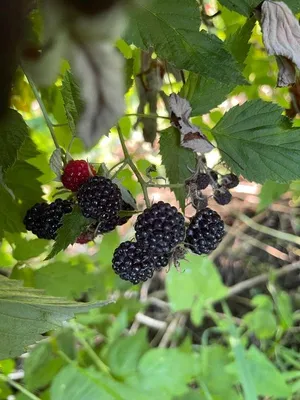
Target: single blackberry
<point>99,198</point>
<point>133,263</point>
<point>76,172</point>
<point>205,231</point>
<point>230,181</point>
<point>160,228</point>
<point>222,196</point>
<point>203,180</point>
<point>45,219</point>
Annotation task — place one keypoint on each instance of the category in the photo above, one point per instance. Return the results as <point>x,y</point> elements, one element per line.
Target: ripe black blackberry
<point>99,198</point>
<point>160,228</point>
<point>205,231</point>
<point>222,196</point>
<point>203,180</point>
<point>134,263</point>
<point>45,219</point>
<point>230,181</point>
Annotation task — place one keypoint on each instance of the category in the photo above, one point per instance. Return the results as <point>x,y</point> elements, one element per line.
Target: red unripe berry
<point>76,172</point>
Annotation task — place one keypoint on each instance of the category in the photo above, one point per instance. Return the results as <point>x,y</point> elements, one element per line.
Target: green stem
<point>151,116</point>
<point>43,109</point>
<point>98,362</point>
<point>18,387</point>
<point>134,168</point>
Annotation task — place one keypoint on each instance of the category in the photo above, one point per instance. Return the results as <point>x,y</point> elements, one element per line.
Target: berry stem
<point>43,109</point>
<point>134,168</point>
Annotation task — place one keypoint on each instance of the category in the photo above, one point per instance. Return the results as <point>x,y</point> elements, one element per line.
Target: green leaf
<point>72,102</point>
<point>24,249</point>
<point>267,378</point>
<point>262,323</point>
<point>202,285</point>
<point>41,366</point>
<point>258,146</point>
<point>23,180</point>
<point>270,192</point>
<point>73,225</point>
<point>244,7</point>
<point>238,43</point>
<point>10,214</point>
<point>83,384</point>
<point>214,359</point>
<point>171,28</point>
<point>26,313</point>
<point>285,309</point>
<point>205,94</point>
<point>176,159</point>
<point>154,372</point>
<point>124,354</point>
<point>63,279</point>
<point>14,132</point>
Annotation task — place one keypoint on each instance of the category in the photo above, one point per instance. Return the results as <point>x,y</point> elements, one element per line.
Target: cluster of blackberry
<point>159,229</point>
<point>98,198</point>
<point>220,184</point>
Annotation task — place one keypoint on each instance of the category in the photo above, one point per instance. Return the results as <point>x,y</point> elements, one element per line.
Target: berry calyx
<point>205,231</point>
<point>160,228</point>
<point>222,196</point>
<point>76,172</point>
<point>45,219</point>
<point>99,198</point>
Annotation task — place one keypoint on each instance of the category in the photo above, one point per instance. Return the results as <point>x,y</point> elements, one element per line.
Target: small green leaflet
<point>26,313</point>
<point>270,192</point>
<point>244,7</point>
<point>171,28</point>
<point>256,138</point>
<point>204,94</point>
<point>176,159</point>
<point>14,132</point>
<point>72,102</point>
<point>73,225</point>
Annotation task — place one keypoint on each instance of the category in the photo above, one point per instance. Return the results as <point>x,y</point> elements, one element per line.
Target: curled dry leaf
<point>281,35</point>
<point>87,41</point>
<point>191,135</point>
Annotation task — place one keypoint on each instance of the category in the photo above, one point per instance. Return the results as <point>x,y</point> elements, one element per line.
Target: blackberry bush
<point>160,228</point>
<point>134,263</point>
<point>205,231</point>
<point>45,219</point>
<point>76,172</point>
<point>99,198</point>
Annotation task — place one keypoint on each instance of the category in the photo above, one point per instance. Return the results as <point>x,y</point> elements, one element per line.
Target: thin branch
<point>18,387</point>
<point>43,109</point>
<point>150,322</point>
<point>134,168</point>
<point>288,237</point>
<point>263,278</point>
